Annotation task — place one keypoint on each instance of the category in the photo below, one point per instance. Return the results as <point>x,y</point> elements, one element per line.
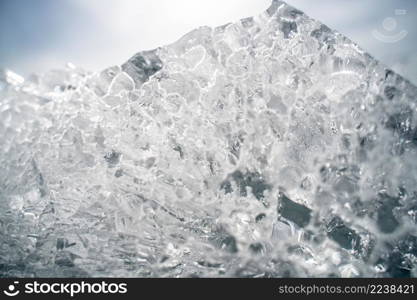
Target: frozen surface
<point>270,147</point>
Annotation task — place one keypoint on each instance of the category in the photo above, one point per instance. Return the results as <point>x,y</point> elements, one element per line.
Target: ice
<point>343,235</point>
<point>243,181</point>
<point>290,210</point>
<point>143,65</point>
<point>272,146</point>
<point>8,77</point>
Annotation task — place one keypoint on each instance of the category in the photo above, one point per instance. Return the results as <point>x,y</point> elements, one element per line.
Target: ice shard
<point>272,146</point>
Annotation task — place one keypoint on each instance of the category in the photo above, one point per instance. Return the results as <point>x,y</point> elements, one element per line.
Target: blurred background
<point>38,35</point>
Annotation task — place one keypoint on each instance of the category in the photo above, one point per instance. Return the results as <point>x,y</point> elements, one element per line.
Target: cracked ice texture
<point>268,147</point>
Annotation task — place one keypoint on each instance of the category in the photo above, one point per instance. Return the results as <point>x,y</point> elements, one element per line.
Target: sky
<point>39,35</point>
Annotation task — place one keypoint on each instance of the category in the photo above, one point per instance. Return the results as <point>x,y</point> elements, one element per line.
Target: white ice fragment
<point>10,77</point>
<point>348,271</point>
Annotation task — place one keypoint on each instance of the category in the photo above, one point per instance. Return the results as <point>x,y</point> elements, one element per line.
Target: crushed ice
<point>269,147</point>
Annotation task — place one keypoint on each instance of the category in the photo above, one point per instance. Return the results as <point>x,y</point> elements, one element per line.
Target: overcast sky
<point>42,34</point>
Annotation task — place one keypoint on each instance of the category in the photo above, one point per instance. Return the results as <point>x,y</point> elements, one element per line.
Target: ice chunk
<point>292,211</point>
<point>253,180</point>
<point>9,77</point>
<point>343,235</point>
<point>143,65</point>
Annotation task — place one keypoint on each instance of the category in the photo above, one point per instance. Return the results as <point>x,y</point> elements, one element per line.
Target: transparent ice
<point>270,147</point>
